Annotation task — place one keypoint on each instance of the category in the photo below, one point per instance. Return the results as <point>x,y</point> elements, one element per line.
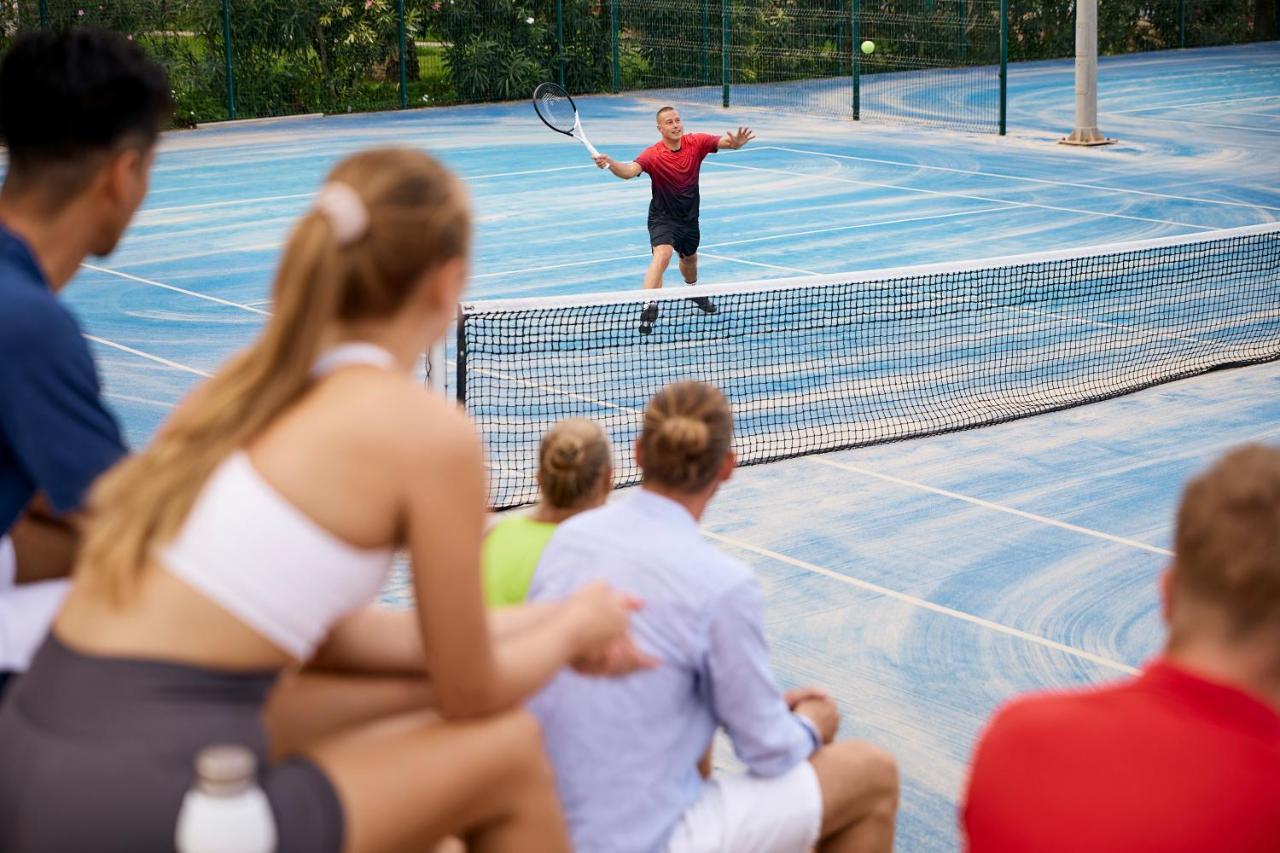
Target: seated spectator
<point>575,473</point>
<point>249,539</point>
<point>1186,757</point>
<point>80,112</point>
<point>626,752</point>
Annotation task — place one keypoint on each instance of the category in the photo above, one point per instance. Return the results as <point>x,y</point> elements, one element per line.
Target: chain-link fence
<point>254,58</point>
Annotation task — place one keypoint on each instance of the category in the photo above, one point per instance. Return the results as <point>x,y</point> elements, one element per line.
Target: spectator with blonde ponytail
<point>250,538</point>
<point>575,473</point>
<point>626,752</point>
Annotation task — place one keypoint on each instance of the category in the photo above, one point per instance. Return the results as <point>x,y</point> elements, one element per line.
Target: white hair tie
<point>345,210</point>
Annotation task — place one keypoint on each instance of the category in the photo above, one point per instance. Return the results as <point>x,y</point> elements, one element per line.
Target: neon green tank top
<point>509,556</point>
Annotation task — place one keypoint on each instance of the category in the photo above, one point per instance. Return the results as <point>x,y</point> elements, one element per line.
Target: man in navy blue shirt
<point>80,112</point>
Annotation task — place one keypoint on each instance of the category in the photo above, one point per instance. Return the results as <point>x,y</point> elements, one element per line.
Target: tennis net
<point>821,364</point>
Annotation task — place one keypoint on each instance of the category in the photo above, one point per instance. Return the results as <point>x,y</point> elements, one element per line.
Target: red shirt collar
<point>1233,705</point>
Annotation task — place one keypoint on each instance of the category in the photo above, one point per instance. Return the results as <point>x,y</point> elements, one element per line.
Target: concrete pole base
<point>1086,136</point>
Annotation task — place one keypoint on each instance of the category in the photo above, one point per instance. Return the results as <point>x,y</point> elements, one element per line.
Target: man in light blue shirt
<point>626,751</point>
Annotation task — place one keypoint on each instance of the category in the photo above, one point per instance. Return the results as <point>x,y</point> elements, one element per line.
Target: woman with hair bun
<point>575,473</point>
<point>626,752</point>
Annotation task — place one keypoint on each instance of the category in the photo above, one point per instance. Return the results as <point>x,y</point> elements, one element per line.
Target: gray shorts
<point>98,753</point>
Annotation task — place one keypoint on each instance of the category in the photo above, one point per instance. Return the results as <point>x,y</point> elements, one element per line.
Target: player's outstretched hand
<point>604,161</point>
<point>741,138</point>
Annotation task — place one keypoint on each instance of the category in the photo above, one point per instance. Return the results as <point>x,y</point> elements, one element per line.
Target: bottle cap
<point>225,770</point>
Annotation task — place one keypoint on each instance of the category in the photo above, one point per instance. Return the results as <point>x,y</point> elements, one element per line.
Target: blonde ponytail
<point>418,220</point>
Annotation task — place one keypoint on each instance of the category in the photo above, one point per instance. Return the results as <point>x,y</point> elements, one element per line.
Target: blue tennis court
<point>923,582</point>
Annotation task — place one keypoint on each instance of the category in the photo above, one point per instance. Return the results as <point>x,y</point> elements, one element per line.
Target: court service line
<point>1006,201</point>
<point>293,196</point>
<point>1210,124</point>
<point>157,359</point>
<point>1191,104</point>
<point>784,236</point>
<point>160,404</point>
<point>1023,178</point>
<point>1030,516</point>
<point>922,603</point>
<point>707,254</point>
<point>181,290</point>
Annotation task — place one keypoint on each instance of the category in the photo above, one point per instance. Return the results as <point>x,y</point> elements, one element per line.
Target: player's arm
<point>626,171</point>
<point>732,141</point>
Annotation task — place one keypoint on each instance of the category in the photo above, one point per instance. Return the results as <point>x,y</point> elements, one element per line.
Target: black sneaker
<point>647,318</point>
<point>705,305</point>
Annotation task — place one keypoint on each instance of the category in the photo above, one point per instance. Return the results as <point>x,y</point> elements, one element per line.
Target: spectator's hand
<point>822,712</point>
<point>620,657</point>
<point>604,161</point>
<point>796,695</point>
<point>599,616</point>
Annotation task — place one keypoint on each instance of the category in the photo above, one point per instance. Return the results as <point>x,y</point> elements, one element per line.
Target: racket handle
<point>590,147</point>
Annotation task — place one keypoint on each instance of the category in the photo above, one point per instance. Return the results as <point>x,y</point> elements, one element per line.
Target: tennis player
<point>673,164</point>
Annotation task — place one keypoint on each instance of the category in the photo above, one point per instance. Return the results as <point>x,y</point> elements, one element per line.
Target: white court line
<point>1042,519</point>
<point>924,604</point>
<point>1023,178</point>
<point>157,359</point>
<point>783,236</point>
<point>160,404</point>
<point>1209,124</point>
<point>757,263</point>
<point>291,196</point>
<point>181,290</point>
<point>1191,104</point>
<point>900,188</point>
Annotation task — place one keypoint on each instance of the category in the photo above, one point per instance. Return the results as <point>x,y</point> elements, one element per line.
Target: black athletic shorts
<point>684,237</point>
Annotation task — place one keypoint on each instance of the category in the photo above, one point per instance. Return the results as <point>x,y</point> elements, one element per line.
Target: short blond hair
<point>667,109</point>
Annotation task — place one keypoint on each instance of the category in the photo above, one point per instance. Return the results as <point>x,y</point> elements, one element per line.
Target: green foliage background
<point>299,56</point>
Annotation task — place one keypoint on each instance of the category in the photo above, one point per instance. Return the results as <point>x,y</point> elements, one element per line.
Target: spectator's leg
<point>859,797</point>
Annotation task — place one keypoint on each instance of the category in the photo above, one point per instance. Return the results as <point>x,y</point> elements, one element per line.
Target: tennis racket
<point>558,112</point>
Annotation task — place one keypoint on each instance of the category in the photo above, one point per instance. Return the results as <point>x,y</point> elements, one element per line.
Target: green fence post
<point>226,55</point>
<point>404,55</point>
<point>724,51</point>
<point>1004,63</point>
<point>617,65</point>
<point>856,44</point>
<point>964,33</point>
<point>44,13</point>
<point>1182,23</point>
<point>560,38</point>
<point>706,41</point>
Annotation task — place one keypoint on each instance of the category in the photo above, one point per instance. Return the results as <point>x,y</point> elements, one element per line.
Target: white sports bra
<point>259,557</point>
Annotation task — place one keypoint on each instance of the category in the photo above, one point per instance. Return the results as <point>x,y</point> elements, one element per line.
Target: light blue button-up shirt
<point>625,750</point>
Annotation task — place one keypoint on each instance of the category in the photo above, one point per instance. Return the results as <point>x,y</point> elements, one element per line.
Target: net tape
<point>827,363</point>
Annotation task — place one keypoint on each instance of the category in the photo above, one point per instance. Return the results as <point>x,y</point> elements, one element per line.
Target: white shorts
<point>25,611</point>
<point>750,814</point>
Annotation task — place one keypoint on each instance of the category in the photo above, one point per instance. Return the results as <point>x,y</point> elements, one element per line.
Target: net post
<point>560,40</point>
<point>44,13</point>
<point>1086,131</point>
<point>227,57</point>
<point>856,53</point>
<point>404,55</point>
<point>613,28</point>
<point>724,52</point>
<point>1004,65</point>
<point>460,382</point>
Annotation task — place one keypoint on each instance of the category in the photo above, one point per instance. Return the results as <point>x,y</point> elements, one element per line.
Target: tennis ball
<point>868,47</point>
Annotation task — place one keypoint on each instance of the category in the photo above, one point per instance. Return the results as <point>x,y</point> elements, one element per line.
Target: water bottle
<point>226,811</point>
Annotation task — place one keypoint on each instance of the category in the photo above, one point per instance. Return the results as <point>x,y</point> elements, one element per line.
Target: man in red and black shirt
<point>1186,757</point>
<point>673,163</point>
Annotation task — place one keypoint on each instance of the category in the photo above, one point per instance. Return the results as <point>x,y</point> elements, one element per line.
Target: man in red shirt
<point>1187,756</point>
<point>673,164</point>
